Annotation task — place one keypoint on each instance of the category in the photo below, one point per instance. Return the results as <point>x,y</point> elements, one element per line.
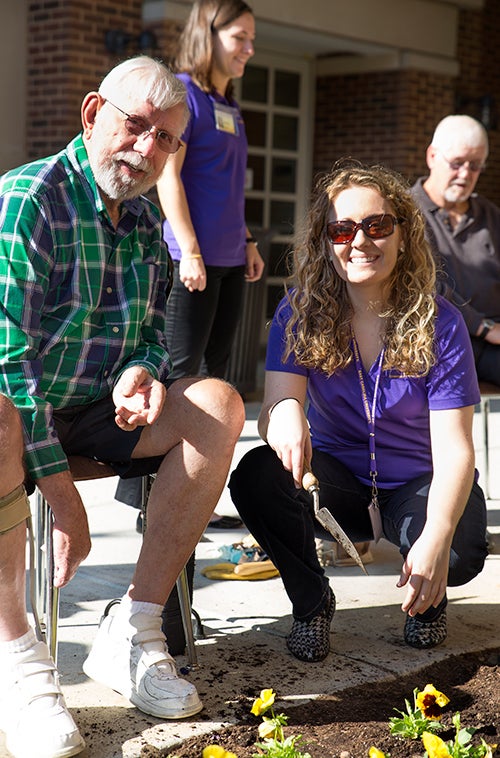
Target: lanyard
<point>373,508</point>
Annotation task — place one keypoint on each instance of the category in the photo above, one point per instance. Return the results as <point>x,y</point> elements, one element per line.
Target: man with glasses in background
<point>463,229</point>
<point>83,369</point>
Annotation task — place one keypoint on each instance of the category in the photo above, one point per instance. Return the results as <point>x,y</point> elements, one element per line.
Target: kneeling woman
<point>370,381</point>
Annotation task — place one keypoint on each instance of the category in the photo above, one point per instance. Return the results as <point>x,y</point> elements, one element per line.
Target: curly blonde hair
<point>318,332</point>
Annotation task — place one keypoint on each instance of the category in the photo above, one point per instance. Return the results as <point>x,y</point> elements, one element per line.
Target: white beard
<point>111,179</point>
<point>455,194</point>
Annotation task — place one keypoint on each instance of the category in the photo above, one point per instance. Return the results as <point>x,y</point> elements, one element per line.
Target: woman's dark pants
<point>281,518</point>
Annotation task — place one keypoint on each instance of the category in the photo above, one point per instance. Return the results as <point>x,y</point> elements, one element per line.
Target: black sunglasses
<point>377,226</point>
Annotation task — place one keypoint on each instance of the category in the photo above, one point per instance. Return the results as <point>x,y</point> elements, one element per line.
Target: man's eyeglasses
<point>139,127</point>
<point>376,227</point>
<point>474,166</point>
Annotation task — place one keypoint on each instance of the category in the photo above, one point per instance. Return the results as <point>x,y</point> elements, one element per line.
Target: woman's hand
<point>288,435</point>
<point>255,265</point>
<point>425,570</point>
<point>192,273</point>
<point>425,573</point>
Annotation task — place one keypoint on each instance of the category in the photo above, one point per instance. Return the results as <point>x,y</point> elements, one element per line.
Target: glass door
<point>275,95</point>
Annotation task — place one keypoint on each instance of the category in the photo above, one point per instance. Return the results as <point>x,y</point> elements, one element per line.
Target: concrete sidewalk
<point>246,623</point>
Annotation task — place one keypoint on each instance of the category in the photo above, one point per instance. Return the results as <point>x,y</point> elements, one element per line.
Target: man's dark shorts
<point>91,430</point>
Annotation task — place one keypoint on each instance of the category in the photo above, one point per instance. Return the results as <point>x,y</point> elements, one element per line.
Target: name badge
<point>226,118</point>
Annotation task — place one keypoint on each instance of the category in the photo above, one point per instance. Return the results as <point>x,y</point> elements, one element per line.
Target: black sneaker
<point>310,640</point>
<point>424,634</point>
<point>225,522</point>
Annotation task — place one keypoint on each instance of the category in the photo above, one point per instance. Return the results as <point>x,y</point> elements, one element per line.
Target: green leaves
<point>274,744</point>
<point>412,724</point>
<point>422,720</point>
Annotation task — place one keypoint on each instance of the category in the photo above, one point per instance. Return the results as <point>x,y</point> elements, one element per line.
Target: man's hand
<point>138,398</point>
<point>71,537</point>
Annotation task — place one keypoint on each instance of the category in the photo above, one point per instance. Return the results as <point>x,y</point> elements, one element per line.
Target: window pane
<point>282,216</point>
<point>254,84</point>
<point>285,130</point>
<point>255,125</point>
<point>256,165</point>
<point>254,212</point>
<point>287,89</point>
<point>283,175</point>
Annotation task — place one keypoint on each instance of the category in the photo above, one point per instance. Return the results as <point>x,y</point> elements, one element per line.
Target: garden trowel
<point>327,521</point>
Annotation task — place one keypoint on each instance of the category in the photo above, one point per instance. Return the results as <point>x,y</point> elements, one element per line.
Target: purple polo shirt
<point>402,436</point>
<point>213,175</point>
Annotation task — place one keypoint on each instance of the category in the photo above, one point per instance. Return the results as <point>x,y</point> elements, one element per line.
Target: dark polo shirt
<point>469,255</point>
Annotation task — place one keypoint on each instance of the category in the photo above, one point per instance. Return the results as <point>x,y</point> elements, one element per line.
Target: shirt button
<point>115,329</point>
<point>109,290</point>
<point>106,373</point>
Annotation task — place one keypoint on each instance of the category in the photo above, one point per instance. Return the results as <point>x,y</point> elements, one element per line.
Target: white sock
<point>23,644</point>
<point>129,608</point>
<point>20,645</point>
<point>140,616</point>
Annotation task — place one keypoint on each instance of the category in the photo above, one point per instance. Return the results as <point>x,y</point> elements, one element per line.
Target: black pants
<point>201,325</point>
<point>281,519</point>
<point>487,358</point>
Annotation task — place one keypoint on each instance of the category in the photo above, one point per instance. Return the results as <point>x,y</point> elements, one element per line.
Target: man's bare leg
<point>33,713</point>
<point>13,618</point>
<point>200,424</point>
<point>196,432</point>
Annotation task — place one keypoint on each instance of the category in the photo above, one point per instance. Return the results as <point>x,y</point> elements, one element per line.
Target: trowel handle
<point>309,481</point>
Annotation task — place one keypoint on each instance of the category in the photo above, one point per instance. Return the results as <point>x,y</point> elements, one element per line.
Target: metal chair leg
<point>52,610</point>
<point>44,597</point>
<point>485,409</point>
<point>185,606</point>
<point>40,555</point>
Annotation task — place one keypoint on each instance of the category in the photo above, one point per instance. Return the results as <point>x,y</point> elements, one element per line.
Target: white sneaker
<point>133,660</point>
<point>33,713</point>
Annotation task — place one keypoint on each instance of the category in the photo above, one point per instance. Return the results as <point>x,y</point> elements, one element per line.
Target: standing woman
<point>202,195</point>
<point>370,380</point>
<point>201,192</point>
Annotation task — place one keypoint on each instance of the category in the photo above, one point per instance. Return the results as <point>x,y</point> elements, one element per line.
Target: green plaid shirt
<point>80,301</point>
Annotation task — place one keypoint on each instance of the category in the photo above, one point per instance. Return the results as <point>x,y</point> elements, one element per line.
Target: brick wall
<point>390,117</point>
<point>66,59</point>
<point>479,55</point>
<point>379,118</point>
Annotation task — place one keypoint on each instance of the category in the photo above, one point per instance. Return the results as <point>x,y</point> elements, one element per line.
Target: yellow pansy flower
<point>430,701</point>
<point>263,703</point>
<point>216,751</point>
<point>267,729</point>
<point>435,746</point>
<point>374,752</point>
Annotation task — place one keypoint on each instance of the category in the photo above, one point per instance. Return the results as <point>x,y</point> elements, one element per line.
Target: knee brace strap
<point>14,509</point>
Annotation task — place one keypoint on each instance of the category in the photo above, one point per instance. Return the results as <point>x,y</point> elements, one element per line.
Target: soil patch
<point>346,724</point>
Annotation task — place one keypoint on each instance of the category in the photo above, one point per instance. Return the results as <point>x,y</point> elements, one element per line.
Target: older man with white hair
<point>464,230</point>
<point>83,371</point>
